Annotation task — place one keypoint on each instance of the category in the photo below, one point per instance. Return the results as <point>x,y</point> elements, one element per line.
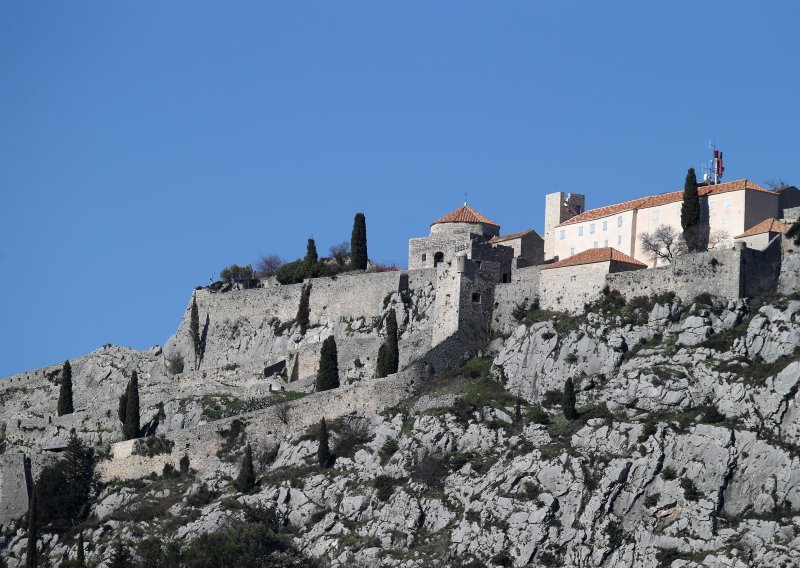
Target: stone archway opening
<point>437,258</point>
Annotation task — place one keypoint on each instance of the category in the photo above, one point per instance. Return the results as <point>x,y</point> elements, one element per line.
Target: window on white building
<point>619,221</point>
<point>728,202</point>
<point>580,231</point>
<point>710,206</point>
<point>605,225</point>
<point>591,229</point>
<point>571,251</point>
<point>605,243</point>
<point>655,215</point>
<point>595,244</point>
<point>562,234</point>
<point>619,240</point>
<point>722,221</point>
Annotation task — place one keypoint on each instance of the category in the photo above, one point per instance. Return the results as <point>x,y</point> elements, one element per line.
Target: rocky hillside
<point>685,452</point>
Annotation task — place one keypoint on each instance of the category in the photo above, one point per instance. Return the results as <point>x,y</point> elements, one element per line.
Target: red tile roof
<point>591,256</point>
<point>663,199</point>
<point>465,214</point>
<point>765,226</point>
<point>511,236</point>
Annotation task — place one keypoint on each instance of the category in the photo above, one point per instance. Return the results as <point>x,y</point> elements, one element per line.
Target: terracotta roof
<point>511,236</point>
<point>765,226</point>
<point>595,255</point>
<point>663,199</point>
<point>465,214</point>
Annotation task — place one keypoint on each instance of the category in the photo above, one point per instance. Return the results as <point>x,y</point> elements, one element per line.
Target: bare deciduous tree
<point>776,184</point>
<point>268,265</point>
<point>340,253</point>
<point>282,413</point>
<point>718,238</point>
<point>664,243</point>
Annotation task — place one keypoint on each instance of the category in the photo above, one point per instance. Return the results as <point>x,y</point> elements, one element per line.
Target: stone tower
<point>558,208</point>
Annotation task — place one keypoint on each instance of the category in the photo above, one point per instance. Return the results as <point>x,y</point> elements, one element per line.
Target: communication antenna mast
<point>713,170</point>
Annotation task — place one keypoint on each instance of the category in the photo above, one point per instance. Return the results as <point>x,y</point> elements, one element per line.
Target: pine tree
<point>130,429</point>
<point>358,243</point>
<point>32,554</point>
<point>311,253</point>
<point>194,330</point>
<point>304,310</point>
<point>120,556</point>
<point>690,210</point>
<point>328,375</point>
<point>568,400</point>
<point>247,476</point>
<point>324,452</point>
<point>79,463</point>
<point>81,558</point>
<point>65,393</point>
<point>389,355</point>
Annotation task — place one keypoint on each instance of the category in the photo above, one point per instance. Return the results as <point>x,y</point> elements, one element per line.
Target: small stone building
<point>528,247</point>
<point>759,236</point>
<point>569,284</point>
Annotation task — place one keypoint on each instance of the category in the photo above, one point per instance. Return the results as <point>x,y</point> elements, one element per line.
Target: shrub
<point>389,448</point>
<point>536,415</point>
<point>690,490</point>
<point>174,364</point>
<point>652,500</point>
<point>430,471</point>
<point>668,473</point>
<point>503,558</point>
<point>384,487</point>
<point>704,298</point>
<point>235,274</point>
<point>153,446</point>
<point>202,497</point>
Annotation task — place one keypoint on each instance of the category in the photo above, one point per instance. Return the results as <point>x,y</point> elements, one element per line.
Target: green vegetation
<point>358,243</point>
<point>562,321</point>
<point>303,309</point>
<point>389,448</point>
<point>568,400</point>
<point>388,354</point>
<point>62,490</point>
<point>219,406</point>
<point>129,408</point>
<point>328,374</point>
<point>690,209</point>
<point>65,391</point>
<point>194,328</point>
<point>690,490</point>
<point>235,274</point>
<point>324,457</point>
<point>246,480</point>
<point>120,556</point>
<point>153,446</point>
<point>384,486</point>
<point>174,364</point>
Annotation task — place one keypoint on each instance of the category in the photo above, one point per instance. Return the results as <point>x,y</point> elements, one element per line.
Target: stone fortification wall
<point>729,273</point>
<point>367,397</point>
<point>569,288</point>
<point>522,290</point>
<point>353,295</point>
<point>13,487</point>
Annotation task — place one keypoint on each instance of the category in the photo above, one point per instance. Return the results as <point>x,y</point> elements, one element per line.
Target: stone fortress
<point>463,284</point>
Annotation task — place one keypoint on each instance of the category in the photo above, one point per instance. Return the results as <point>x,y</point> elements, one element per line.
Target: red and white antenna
<point>712,172</point>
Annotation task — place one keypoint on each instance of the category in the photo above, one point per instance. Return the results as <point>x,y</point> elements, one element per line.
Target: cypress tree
<point>130,429</point>
<point>690,209</point>
<point>324,452</point>
<point>122,409</point>
<point>65,393</point>
<point>32,554</point>
<point>518,413</point>
<point>328,375</point>
<point>389,354</point>
<point>303,310</point>
<point>568,400</point>
<point>194,330</point>
<point>247,476</point>
<point>358,243</point>
<point>81,558</point>
<point>311,253</point>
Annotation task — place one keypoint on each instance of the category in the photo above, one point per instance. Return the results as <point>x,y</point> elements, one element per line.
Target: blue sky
<point>146,145</point>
